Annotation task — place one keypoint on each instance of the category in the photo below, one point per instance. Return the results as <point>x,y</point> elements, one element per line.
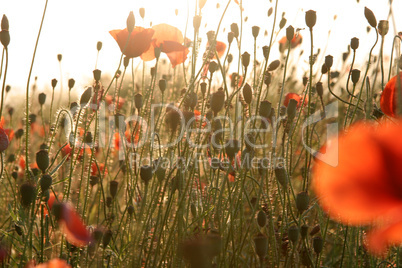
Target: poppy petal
<point>388,96</point>
<point>54,263</point>
<point>73,228</point>
<point>140,41</point>
<point>380,239</point>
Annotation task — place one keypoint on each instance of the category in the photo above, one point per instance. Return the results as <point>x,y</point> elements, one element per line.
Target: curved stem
<point>4,83</point>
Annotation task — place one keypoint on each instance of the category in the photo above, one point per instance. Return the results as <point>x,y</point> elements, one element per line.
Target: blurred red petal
<point>73,228</point>
<point>54,263</point>
<point>140,41</point>
<point>378,240</point>
<point>388,96</point>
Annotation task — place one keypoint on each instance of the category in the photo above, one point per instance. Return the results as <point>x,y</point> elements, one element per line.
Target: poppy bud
<point>230,58</point>
<point>291,109</point>
<point>107,237</point>
<point>324,69</point>
<point>273,65</point>
<point>97,75</point>
<point>230,37</point>
<point>302,200</point>
<point>18,229</point>
<point>355,76</point>
<point>113,186</point>
<point>304,230</point>
<point>172,119</point>
<point>162,85</point>
<point>293,233</point>
<point>235,29</point>
<point>138,101</point>
<point>255,31</point>
<point>18,134</point>
<point>232,148</point>
<point>311,18</point>
<point>217,101</point>
<point>142,12</point>
<point>305,80</point>
<point>32,118</point>
<point>8,88</point>
<point>88,137</point>
<point>290,32</point>
<point>42,160</point>
<point>119,121</point>
<point>383,27</point>
<point>318,244</point>
<point>261,245</point>
<point>282,23</point>
<point>270,10</point>
<point>4,23</point>
<point>213,66</point>
<point>42,98</point>
<point>281,175</point>
<point>329,61</point>
<point>86,96</point>
<point>11,158</point>
<point>197,22</point>
<point>245,59</point>
<point>99,45</point>
<point>59,57</point>
<point>370,17</point>
<point>28,194</point>
<point>146,173</point>
<point>109,201</point>
<point>5,38</point>
<point>191,100</point>
<point>315,230</point>
<point>93,180</point>
<point>247,93</point>
<point>319,88</point>
<point>71,83</point>
<point>14,174</point>
<point>265,108</point>
<point>354,43</point>
<point>160,171</point>
<point>261,218</point>
<point>130,22</point>
<point>203,87</point>
<point>130,210</point>
<point>126,61</point>
<point>54,83</point>
<point>45,182</point>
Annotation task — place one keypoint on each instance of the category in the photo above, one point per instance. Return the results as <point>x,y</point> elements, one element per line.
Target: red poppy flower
<point>220,48</point>
<point>388,96</point>
<point>364,187</point>
<point>170,40</point>
<point>296,97</point>
<point>53,263</point>
<point>140,41</point>
<point>283,43</point>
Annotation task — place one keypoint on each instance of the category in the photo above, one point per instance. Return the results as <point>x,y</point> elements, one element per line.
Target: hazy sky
<point>72,28</point>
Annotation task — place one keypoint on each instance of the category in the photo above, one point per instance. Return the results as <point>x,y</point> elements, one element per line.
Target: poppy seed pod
<point>282,23</point>
<point>354,43</point>
<point>245,59</point>
<point>311,18</point>
<point>324,69</point>
<point>273,65</point>
<point>160,171</point>
<point>142,12</point>
<point>255,31</point>
<point>88,137</point>
<point>265,51</point>
<point>5,38</point>
<point>93,180</point>
<point>42,160</point>
<point>355,76</point>
<point>383,27</point>
<point>28,194</point>
<point>315,230</point>
<point>304,230</point>
<point>370,17</point>
<point>18,229</point>
<point>42,98</point>
<point>126,61</point>
<point>291,109</point>
<point>281,175</point>
<point>109,201</point>
<point>97,75</point>
<point>261,218</point>
<point>261,245</point>
<point>191,100</point>
<point>197,22</point>
<point>232,147</point>
<point>213,66</point>
<point>113,186</point>
<point>293,233</point>
<point>119,122</point>
<point>59,57</point>
<point>71,83</point>
<point>211,36</point>
<point>302,200</point>
<point>107,237</point>
<point>146,173</point>
<point>217,101</point>
<point>203,87</point>
<point>230,37</point>
<point>162,85</point>
<point>172,119</point>
<point>130,210</point>
<point>290,33</point>
<point>54,83</point>
<point>265,108</point>
<point>138,101</point>
<point>235,29</point>
<point>318,244</point>
<point>130,22</point>
<point>247,93</point>
<point>4,23</point>
<point>319,88</point>
<point>86,96</point>
<point>99,45</point>
<point>329,61</point>
<point>45,182</point>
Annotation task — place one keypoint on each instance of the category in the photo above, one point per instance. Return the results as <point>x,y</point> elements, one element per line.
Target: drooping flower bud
<point>130,22</point>
<point>265,108</point>
<point>28,194</point>
<point>261,218</point>
<point>230,37</point>
<point>302,201</point>
<point>318,244</point>
<point>273,65</point>
<point>282,23</point>
<point>319,88</point>
<point>138,101</point>
<point>291,109</point>
<point>281,175</point>
<point>4,23</point>
<point>99,45</point>
<point>261,245</point>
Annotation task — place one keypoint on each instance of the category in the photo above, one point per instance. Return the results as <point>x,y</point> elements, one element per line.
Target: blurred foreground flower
<point>53,263</point>
<point>389,96</point>
<point>365,188</point>
<point>140,41</point>
<point>169,40</point>
<point>283,43</point>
